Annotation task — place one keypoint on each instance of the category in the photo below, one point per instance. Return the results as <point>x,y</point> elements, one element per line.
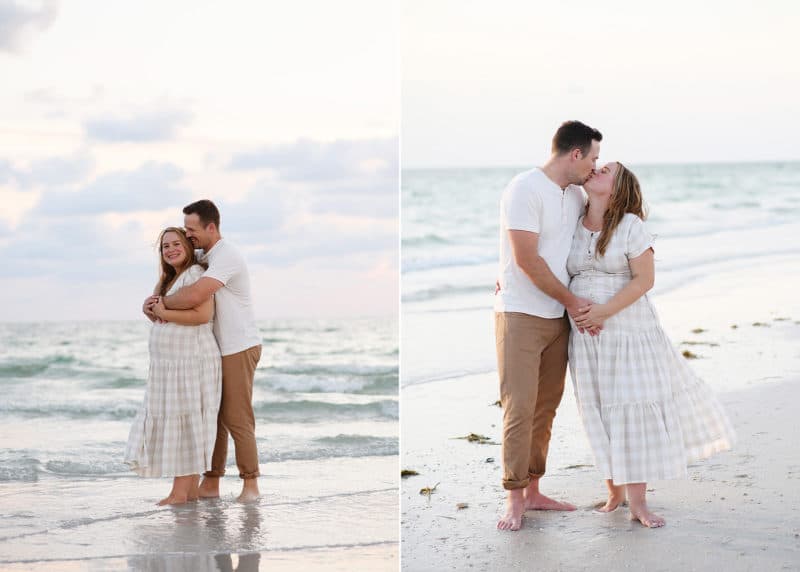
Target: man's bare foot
<point>534,500</point>
<point>515,508</point>
<point>173,498</point>
<point>209,488</point>
<point>537,501</point>
<point>250,491</point>
<point>647,518</point>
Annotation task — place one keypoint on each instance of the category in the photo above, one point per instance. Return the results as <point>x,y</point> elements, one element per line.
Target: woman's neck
<point>594,214</point>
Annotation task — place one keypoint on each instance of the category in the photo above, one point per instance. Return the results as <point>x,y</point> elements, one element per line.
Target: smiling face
<point>173,249</point>
<point>602,181</point>
<point>200,235</point>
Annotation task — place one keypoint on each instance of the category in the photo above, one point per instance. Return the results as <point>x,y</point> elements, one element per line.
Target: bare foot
<point>647,518</point>
<point>515,508</point>
<point>537,501</point>
<point>173,499</point>
<point>249,491</point>
<point>209,488</point>
<point>194,489</point>
<point>611,504</point>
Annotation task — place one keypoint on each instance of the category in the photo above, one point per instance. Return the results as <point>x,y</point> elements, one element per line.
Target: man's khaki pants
<point>236,415</point>
<point>532,363</point>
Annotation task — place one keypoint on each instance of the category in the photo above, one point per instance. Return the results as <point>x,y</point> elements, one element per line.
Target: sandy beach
<point>737,511</point>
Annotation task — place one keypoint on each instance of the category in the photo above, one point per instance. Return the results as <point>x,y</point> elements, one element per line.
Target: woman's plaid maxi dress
<point>174,432</point>
<point>646,414</point>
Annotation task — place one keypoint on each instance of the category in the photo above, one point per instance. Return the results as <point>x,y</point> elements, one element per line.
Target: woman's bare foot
<point>515,508</point>
<point>181,489</point>
<point>173,499</point>
<point>194,488</point>
<point>616,497</point>
<point>639,511</point>
<point>209,488</point>
<point>611,504</point>
<point>647,518</point>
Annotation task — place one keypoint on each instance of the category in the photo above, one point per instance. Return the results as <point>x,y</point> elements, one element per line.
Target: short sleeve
<point>639,239</point>
<point>523,208</point>
<point>223,267</point>
<point>193,274</point>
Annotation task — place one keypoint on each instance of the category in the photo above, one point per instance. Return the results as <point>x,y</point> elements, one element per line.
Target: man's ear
<point>577,155</point>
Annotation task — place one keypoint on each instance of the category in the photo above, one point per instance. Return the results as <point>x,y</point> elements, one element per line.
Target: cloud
<point>144,127</point>
<point>152,186</point>
<point>49,172</point>
<point>309,161</point>
<point>57,171</point>
<point>72,248</point>
<point>7,171</point>
<point>18,22</point>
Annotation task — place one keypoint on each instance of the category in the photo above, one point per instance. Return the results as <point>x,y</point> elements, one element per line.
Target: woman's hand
<point>592,317</point>
<point>159,308</point>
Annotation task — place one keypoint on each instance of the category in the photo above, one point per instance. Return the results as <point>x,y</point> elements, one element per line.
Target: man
<point>228,280</point>
<point>538,215</point>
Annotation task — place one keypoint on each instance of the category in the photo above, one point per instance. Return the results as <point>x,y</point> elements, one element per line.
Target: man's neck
<point>214,241</point>
<point>555,172</point>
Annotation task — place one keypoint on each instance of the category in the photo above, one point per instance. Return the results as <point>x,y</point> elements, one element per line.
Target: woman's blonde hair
<point>626,197</point>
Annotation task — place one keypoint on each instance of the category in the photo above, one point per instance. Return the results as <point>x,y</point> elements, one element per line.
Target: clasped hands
<point>588,317</point>
<point>153,307</point>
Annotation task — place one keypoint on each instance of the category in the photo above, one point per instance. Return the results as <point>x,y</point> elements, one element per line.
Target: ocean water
<point>326,407</point>
<point>707,218</point>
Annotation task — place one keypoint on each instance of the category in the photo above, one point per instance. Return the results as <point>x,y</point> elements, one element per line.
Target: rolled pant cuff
<point>214,474</point>
<point>513,485</point>
<point>246,476</point>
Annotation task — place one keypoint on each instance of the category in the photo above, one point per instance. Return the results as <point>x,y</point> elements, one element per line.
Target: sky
<point>488,83</point>
<point>114,115</point>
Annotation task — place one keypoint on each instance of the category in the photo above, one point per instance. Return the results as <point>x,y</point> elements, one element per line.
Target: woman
<point>647,415</point>
<point>174,431</point>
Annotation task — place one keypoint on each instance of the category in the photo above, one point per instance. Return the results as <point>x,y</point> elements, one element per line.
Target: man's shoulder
<point>225,249</point>
<point>532,181</point>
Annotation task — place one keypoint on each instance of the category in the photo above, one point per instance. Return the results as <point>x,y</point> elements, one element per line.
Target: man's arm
<point>191,317</point>
<point>525,245</point>
<point>193,295</point>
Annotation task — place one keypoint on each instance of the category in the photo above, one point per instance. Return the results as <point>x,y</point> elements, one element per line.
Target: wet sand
<point>335,514</point>
<point>738,510</point>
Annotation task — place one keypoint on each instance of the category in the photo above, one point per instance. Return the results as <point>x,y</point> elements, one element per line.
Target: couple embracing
<point>576,263</point>
<point>204,347</point>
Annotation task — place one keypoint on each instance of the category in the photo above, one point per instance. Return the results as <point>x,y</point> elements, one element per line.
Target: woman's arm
<point>200,314</point>
<point>643,273</point>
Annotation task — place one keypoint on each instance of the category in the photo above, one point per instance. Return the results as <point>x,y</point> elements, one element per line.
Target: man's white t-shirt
<point>534,203</point>
<point>234,322</point>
